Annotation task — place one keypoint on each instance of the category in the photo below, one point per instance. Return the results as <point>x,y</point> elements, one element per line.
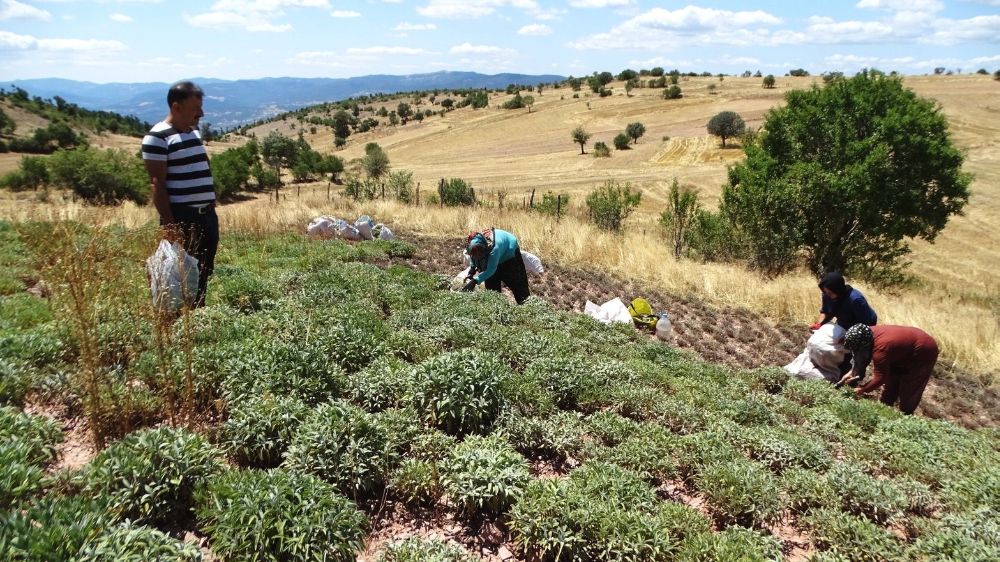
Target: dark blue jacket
<point>849,310</point>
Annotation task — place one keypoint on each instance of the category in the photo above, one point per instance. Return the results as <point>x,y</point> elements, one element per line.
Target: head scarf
<point>858,336</point>
<point>478,249</point>
<point>835,282</point>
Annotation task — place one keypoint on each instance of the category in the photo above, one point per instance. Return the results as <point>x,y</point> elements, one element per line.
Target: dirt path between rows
<point>732,336</point>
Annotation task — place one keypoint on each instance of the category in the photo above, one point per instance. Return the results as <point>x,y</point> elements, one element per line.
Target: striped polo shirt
<point>189,179</point>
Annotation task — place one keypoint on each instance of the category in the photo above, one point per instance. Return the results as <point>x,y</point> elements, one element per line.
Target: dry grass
<point>956,297</point>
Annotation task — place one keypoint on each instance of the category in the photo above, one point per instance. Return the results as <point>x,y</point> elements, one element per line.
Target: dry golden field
<point>956,298</point>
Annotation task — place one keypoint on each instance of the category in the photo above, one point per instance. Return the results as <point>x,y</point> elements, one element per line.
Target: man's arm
<point>157,170</point>
<point>491,266</point>
<point>879,369</point>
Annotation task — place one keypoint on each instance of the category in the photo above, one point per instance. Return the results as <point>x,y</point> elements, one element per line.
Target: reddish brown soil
<point>732,336</point>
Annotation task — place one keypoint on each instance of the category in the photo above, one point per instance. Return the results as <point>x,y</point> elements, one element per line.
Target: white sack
<point>346,230</point>
<point>173,276</point>
<point>364,226</point>
<point>822,356</point>
<point>322,227</point>
<point>384,233</point>
<point>532,263</point>
<point>612,311</point>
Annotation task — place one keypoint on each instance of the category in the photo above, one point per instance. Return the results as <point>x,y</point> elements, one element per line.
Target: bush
<point>621,141</point>
<point>342,445</point>
<point>243,290</point>
<point>740,492</point>
<point>300,369</point>
<point>424,550</point>
<point>568,378</point>
<point>35,437</point>
<point>416,482</point>
<point>50,529</point>
<point>778,450</point>
<point>611,204</point>
<point>455,192</point>
<point>459,392</point>
<point>20,479</point>
<point>278,515</point>
<point>151,474</point>
<point>865,496</point>
<point>734,543</point>
<point>672,93</point>
<point>601,150</point>
<point>129,542</point>
<point>979,487</point>
<point>484,475</point>
<point>103,177</point>
<point>805,490</point>
<point>853,538</point>
<point>259,429</point>
<point>379,386</point>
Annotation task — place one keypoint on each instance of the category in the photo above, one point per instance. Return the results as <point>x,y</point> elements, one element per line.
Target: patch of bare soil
<point>727,335</point>
<point>77,448</point>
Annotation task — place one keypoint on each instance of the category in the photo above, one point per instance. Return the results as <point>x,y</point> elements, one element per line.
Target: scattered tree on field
<point>673,92</point>
<point>278,150</point>
<point>341,124</point>
<point>447,103</point>
<point>635,130</point>
<point>996,75</point>
<point>580,136</point>
<point>847,193</point>
<point>7,124</point>
<point>769,81</point>
<point>528,101</point>
<point>621,141</point>
<point>375,161</point>
<point>601,150</point>
<point>629,86</point>
<point>404,111</point>
<point>726,124</point>
<point>798,72</point>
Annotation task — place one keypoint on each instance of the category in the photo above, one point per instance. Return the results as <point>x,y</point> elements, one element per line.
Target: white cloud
<point>120,18</point>
<point>902,5</point>
<point>251,15</point>
<point>985,60</point>
<point>694,18</point>
<point>599,3</point>
<point>26,42</point>
<point>467,48</point>
<point>318,58</point>
<point>381,50</point>
<point>14,10</point>
<point>345,14</point>
<point>979,28</point>
<point>535,29</point>
<point>455,9</point>
<point>405,26</point>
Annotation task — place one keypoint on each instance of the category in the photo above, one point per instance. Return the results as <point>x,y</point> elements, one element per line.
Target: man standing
<point>903,359</point>
<point>183,190</point>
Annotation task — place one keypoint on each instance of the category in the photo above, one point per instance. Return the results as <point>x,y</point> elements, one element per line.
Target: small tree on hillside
<point>629,86</point>
<point>621,141</point>
<point>601,150</point>
<point>341,124</point>
<point>726,124</point>
<point>635,130</point>
<point>769,81</point>
<point>278,151</point>
<point>580,136</point>
<point>611,204</point>
<point>528,101</point>
<point>404,111</point>
<point>996,75</point>
<point>673,92</point>
<point>375,161</point>
<point>679,217</point>
<point>7,124</point>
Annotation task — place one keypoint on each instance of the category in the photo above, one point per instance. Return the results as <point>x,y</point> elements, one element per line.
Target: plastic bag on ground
<point>383,232</point>
<point>822,356</point>
<point>173,276</point>
<point>322,227</point>
<point>612,311</point>
<point>459,280</point>
<point>532,263</point>
<point>346,230</point>
<point>364,226</point>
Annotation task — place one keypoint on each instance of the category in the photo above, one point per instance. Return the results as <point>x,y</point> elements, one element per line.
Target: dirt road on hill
<point>732,336</point>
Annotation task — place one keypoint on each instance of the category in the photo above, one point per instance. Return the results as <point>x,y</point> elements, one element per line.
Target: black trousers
<point>199,229</point>
<point>512,274</point>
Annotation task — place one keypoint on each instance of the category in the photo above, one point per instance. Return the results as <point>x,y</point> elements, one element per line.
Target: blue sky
<point>158,40</point>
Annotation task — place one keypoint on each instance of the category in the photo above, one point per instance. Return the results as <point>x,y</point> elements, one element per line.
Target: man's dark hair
<point>183,90</point>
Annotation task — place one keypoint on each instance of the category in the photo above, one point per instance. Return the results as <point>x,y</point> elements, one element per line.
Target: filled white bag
<point>532,263</point>
<point>173,276</point>
<point>321,227</point>
<point>346,230</point>
<point>822,356</point>
<point>384,233</point>
<point>612,311</point>
<point>364,225</point>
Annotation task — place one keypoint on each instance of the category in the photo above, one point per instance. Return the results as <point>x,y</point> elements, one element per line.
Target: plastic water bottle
<point>663,327</point>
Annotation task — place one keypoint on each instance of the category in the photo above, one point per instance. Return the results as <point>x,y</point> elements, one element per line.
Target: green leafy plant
<point>459,392</point>
<point>129,542</point>
<point>865,496</point>
<point>20,479</point>
<point>416,482</point>
<point>484,475</point>
<point>568,378</point>
<point>34,436</point>
<point>424,550</point>
<point>150,475</point>
<point>278,515</point>
<point>341,444</point>
<point>259,430</point>
<point>51,528</point>
<point>740,492</point>
<point>455,192</point>
<point>379,386</point>
<point>734,543</point>
<point>853,538</point>
<point>611,204</point>
<point>805,490</point>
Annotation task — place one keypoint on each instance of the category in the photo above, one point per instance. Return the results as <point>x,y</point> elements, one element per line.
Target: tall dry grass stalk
<point>968,332</point>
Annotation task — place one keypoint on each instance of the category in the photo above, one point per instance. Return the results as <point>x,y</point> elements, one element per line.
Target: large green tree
<point>846,174</point>
<point>726,124</point>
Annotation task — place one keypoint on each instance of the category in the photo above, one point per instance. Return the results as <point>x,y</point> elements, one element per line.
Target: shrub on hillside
<point>780,450</point>
<point>35,437</point>
<point>980,487</point>
<point>455,192</point>
<point>301,369</point>
<point>424,550</point>
<point>51,528</point>
<point>259,429</point>
<point>278,515</point>
<point>865,496</point>
<point>459,392</point>
<point>740,492</point>
<point>621,141</point>
<point>243,290</point>
<point>379,386</point>
<point>129,542</point>
<point>601,150</point>
<point>341,444</point>
<point>103,177</point>
<point>853,538</point>
<point>805,490</point>
<point>611,204</point>
<point>21,479</point>
<point>416,482</point>
<point>484,475</point>
<point>150,475</point>
<point>568,378</point>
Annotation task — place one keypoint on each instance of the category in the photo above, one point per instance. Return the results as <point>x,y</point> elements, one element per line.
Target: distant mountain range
<point>230,103</point>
